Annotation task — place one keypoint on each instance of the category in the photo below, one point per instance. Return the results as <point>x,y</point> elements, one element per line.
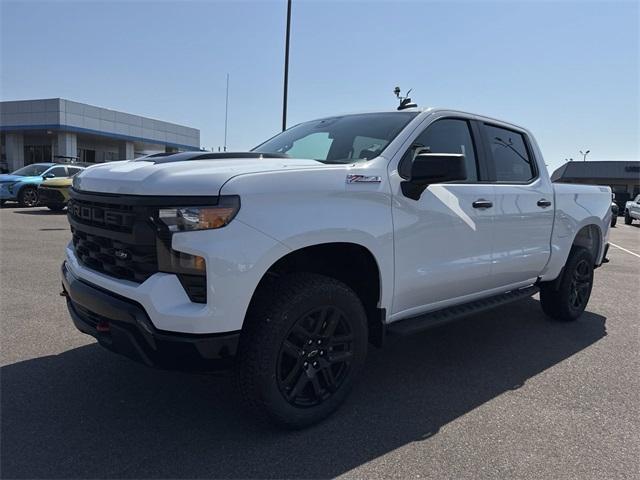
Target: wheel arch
<point>589,237</point>
<point>351,263</point>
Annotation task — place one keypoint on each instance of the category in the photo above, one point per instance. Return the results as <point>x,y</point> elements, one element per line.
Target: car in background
<point>632,210</point>
<point>53,193</point>
<point>22,185</point>
<point>614,210</point>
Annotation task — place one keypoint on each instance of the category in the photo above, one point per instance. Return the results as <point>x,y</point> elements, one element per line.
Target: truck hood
<point>189,177</point>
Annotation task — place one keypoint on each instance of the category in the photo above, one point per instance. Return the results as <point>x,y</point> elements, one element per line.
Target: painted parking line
<point>624,249</point>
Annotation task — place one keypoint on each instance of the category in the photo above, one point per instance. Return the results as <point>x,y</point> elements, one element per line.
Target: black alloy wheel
<point>566,298</point>
<point>580,285</point>
<point>315,357</point>
<point>302,346</point>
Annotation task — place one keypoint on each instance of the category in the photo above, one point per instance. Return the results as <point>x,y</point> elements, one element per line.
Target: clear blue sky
<point>569,71</point>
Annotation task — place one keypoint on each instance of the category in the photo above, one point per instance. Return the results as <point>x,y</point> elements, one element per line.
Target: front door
<point>443,240</point>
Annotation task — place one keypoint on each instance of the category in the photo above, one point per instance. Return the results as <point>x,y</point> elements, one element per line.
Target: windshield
<point>339,139</point>
<point>32,170</point>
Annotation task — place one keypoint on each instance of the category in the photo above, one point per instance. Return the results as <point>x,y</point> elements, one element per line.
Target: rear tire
<point>303,344</point>
<point>567,302</point>
<point>28,197</point>
<point>614,220</point>
<point>627,218</point>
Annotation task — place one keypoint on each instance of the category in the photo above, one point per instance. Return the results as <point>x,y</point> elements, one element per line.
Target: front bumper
<point>5,194</point>
<point>123,327</point>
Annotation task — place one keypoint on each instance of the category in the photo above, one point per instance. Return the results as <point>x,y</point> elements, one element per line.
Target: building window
<point>37,154</point>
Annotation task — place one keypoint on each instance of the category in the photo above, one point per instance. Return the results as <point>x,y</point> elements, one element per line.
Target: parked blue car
<point>22,185</point>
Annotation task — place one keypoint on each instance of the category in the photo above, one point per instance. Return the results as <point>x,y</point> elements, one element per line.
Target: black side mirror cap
<point>430,168</point>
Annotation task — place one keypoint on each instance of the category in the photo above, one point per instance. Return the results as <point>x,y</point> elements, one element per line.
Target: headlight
<point>186,219</point>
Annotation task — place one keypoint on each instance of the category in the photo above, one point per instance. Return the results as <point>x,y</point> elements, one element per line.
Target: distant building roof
<point>66,115</point>
<point>602,170</point>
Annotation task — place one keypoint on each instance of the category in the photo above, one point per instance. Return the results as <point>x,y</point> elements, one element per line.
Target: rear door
<point>523,207</point>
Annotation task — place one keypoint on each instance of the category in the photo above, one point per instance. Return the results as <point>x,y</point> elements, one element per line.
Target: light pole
<point>286,67</point>
<point>584,155</point>
<point>226,114</point>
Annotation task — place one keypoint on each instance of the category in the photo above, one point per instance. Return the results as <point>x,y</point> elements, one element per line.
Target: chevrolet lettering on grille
<point>101,215</point>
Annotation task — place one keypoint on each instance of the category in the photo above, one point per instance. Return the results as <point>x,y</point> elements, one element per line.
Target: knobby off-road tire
<point>303,343</point>
<point>568,301</point>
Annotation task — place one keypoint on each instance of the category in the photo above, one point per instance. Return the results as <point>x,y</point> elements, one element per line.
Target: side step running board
<point>432,319</point>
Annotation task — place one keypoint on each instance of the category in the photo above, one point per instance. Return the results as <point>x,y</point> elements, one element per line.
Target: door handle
<point>544,203</point>
<point>482,203</point>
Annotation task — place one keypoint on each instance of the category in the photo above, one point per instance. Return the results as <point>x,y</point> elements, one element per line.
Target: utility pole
<point>226,114</point>
<point>286,67</point>
<point>584,155</point>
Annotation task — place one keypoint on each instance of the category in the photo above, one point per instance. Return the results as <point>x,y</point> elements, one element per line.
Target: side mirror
<point>429,168</point>
<point>48,175</point>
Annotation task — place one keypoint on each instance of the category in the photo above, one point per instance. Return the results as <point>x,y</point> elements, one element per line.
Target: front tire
<point>28,197</point>
<point>614,220</point>
<point>627,218</point>
<point>567,300</point>
<point>303,344</point>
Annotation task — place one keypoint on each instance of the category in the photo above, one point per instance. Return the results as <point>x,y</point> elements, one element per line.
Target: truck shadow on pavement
<point>87,413</point>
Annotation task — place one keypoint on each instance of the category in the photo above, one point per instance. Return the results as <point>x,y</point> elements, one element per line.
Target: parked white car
<point>632,210</point>
<point>287,261</point>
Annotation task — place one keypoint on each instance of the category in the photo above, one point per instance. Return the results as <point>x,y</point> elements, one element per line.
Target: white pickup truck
<point>286,262</point>
<point>632,210</point>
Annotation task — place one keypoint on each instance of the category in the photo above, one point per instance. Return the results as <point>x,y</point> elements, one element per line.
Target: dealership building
<point>61,130</point>
<point>623,177</point>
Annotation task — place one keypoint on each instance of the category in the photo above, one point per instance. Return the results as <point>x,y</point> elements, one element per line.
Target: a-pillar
<point>14,149</point>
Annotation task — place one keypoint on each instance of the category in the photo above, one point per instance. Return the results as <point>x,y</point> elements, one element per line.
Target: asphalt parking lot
<point>505,394</point>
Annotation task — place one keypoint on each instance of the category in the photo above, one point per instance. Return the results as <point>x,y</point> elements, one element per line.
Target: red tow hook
<point>103,326</point>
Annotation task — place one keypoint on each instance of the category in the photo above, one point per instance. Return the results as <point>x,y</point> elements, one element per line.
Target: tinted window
<point>444,136</point>
<point>339,139</point>
<point>32,170</point>
<point>74,170</point>
<point>57,172</point>
<point>510,156</point>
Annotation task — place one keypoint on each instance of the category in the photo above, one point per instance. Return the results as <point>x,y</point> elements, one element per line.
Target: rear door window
<point>511,158</point>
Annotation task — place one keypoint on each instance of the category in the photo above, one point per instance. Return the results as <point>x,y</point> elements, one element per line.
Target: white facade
<point>49,129</point>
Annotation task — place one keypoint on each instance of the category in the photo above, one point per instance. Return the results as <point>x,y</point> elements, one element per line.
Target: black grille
<point>112,216</point>
<point>119,235</point>
<point>115,258</point>
<point>115,239</point>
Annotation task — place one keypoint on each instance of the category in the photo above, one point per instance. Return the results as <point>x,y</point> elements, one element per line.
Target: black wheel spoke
<point>317,388</point>
<point>332,323</point>
<point>340,340</point>
<point>299,386</point>
<point>293,375</point>
<point>316,351</point>
<point>339,357</point>
<point>329,379</point>
<point>291,349</point>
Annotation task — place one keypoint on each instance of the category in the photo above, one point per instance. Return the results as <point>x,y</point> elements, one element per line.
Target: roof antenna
<point>405,101</point>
